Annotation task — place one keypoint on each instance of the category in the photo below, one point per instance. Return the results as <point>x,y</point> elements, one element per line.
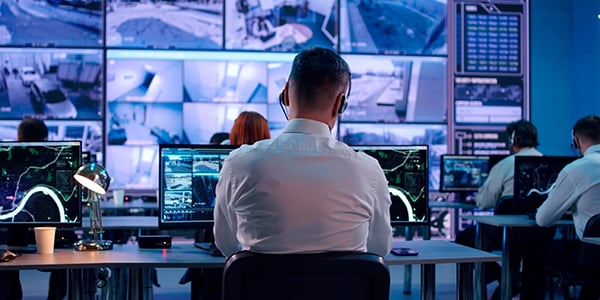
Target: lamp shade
<point>93,177</point>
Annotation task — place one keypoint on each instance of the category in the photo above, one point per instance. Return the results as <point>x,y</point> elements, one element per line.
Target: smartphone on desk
<point>404,252</point>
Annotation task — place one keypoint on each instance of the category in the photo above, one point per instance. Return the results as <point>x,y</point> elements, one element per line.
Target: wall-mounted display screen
<point>176,24</point>
<point>51,23</point>
<point>51,84</point>
<point>393,27</point>
<point>396,89</point>
<point>280,25</point>
<point>481,141</point>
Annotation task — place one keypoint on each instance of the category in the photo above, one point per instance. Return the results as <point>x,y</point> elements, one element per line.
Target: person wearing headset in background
<point>303,191</point>
<point>29,130</point>
<point>577,188</point>
<point>522,140</point>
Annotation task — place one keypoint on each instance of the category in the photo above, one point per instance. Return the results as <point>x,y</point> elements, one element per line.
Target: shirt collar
<point>307,126</point>
<point>528,151</point>
<point>592,149</point>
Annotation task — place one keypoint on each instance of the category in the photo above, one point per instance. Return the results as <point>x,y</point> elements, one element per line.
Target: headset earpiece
<point>281,102</point>
<point>343,105</point>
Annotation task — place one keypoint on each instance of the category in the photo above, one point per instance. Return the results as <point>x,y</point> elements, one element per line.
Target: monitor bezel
<point>79,194</point>
<point>196,224</point>
<point>444,157</point>
<point>419,147</point>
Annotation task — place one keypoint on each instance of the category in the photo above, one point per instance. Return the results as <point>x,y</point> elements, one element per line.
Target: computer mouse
<point>6,255</point>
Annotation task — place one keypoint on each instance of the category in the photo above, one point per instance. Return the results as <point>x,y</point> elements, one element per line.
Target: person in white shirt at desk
<point>522,140</point>
<point>577,189</point>
<point>304,191</point>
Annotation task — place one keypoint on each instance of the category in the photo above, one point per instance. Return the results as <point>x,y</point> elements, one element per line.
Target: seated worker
<point>263,29</point>
<point>523,140</point>
<point>299,192</point>
<point>30,130</point>
<point>577,188</point>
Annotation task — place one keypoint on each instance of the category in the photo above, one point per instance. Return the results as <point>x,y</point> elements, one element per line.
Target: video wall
<point>126,76</point>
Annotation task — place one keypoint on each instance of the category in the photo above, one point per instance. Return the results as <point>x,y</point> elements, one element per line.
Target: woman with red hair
<point>248,128</point>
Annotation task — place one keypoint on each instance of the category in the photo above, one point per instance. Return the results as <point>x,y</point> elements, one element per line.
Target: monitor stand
<point>204,239</point>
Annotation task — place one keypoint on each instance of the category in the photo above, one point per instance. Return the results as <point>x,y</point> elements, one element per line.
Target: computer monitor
<point>188,176</point>
<point>534,179</point>
<point>406,169</point>
<point>37,186</point>
<point>463,173</point>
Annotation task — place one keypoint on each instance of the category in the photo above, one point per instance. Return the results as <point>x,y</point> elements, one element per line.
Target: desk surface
<point>509,220</point>
<point>450,204</point>
<point>186,255</point>
<point>124,222</point>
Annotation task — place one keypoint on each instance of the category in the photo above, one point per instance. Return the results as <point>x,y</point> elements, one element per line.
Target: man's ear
<point>337,106</point>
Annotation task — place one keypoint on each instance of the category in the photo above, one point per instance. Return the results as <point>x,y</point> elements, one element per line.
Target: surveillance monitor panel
<point>406,169</point>
<point>37,186</point>
<point>463,173</point>
<point>188,176</point>
<point>535,177</point>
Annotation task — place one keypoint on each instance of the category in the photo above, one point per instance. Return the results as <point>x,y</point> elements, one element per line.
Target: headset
<point>343,105</point>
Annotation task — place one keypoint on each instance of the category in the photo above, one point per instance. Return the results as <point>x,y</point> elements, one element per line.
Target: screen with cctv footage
<point>405,168</point>
<point>396,89</point>
<point>393,27</point>
<point>435,136</point>
<point>535,177</point>
<point>51,84</point>
<point>188,177</point>
<point>51,23</point>
<point>36,183</point>
<point>176,24</point>
<point>280,25</point>
<point>463,173</point>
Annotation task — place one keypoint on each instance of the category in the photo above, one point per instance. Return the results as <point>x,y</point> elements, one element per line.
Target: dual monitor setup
<point>534,176</point>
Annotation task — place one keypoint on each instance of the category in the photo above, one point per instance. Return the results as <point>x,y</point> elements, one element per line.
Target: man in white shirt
<point>304,192</point>
<point>577,188</point>
<point>522,140</point>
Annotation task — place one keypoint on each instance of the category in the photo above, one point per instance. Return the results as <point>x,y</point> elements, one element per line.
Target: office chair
<point>586,272</point>
<point>322,276</point>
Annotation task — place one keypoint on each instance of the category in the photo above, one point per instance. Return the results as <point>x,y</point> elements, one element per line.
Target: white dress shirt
<point>577,188</point>
<point>501,180</point>
<point>302,192</point>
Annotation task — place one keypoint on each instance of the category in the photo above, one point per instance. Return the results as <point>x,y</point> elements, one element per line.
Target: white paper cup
<point>118,197</point>
<point>44,239</point>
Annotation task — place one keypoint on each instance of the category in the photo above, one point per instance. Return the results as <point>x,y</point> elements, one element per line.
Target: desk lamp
<point>95,178</point>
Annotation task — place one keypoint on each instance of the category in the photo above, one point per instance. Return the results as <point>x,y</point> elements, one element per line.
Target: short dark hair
<point>318,70</point>
<point>32,130</point>
<point>522,133</point>
<point>218,138</point>
<point>588,128</point>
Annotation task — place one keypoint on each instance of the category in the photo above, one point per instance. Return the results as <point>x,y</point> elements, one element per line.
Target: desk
<point>135,260</point>
<point>504,221</point>
<point>124,222</point>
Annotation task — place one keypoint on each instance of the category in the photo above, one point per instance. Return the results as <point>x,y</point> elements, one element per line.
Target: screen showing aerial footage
<point>133,167</point>
<point>176,24</point>
<point>396,89</point>
<point>435,136</point>
<point>141,123</point>
<point>488,100</point>
<point>535,177</point>
<point>36,183</point>
<point>280,25</point>
<point>51,83</point>
<point>405,168</point>
<point>51,23</point>
<point>463,173</point>
<point>188,179</point>
<point>393,27</point>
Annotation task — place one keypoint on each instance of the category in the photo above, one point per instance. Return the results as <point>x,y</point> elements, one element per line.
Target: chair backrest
<point>322,276</point>
<point>588,253</point>
<point>505,206</point>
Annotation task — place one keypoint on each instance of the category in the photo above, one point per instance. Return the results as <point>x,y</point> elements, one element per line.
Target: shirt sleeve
<point>380,229</point>
<point>225,228</point>
<point>560,199</point>
<point>491,190</point>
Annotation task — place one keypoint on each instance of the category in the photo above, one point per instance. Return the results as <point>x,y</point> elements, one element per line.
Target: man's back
<point>304,192</point>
